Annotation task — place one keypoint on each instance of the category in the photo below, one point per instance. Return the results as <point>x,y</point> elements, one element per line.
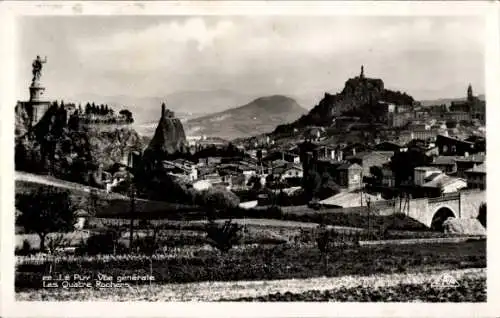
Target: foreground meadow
<point>265,272</point>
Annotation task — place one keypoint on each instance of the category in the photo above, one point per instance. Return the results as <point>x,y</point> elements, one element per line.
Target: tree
<point>254,182</point>
<point>451,124</point>
<point>44,211</point>
<point>96,203</point>
<point>327,188</point>
<point>311,184</point>
<point>127,114</point>
<point>215,200</point>
<point>403,164</point>
<point>223,237</point>
<point>323,240</point>
<point>259,155</point>
<point>376,172</point>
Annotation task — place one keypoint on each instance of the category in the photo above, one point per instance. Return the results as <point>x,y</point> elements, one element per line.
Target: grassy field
<point>468,290</point>
<point>117,205</point>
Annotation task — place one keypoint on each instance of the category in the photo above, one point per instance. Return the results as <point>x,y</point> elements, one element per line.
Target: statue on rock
<point>37,68</point>
<point>362,75</point>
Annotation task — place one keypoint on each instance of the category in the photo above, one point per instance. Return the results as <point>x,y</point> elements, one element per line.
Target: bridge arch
<point>441,214</point>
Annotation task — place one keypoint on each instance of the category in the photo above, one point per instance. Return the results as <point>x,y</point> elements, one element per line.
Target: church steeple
<point>470,94</point>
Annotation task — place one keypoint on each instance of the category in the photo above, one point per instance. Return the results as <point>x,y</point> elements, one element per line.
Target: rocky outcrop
<point>22,120</point>
<point>360,96</point>
<point>169,137</point>
<point>109,147</point>
<point>71,152</point>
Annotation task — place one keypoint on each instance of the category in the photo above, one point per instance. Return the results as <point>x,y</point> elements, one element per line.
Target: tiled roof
<point>432,176</point>
<point>279,163</point>
<point>472,158</point>
<point>445,160</point>
<point>441,181</point>
<point>363,154</point>
<point>350,199</point>
<point>346,166</point>
<point>392,143</point>
<point>427,168</point>
<point>479,168</point>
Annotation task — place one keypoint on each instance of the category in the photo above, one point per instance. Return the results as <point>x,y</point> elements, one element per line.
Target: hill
<point>362,97</point>
<point>261,115</point>
<point>112,204</point>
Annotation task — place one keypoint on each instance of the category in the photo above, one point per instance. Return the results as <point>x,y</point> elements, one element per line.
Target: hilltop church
<point>472,105</point>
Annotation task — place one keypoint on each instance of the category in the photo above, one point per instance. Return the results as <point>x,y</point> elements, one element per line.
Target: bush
<point>147,245</point>
<point>322,238</point>
<point>56,241</point>
<point>103,243</point>
<point>25,249</point>
<point>225,236</point>
<point>216,201</point>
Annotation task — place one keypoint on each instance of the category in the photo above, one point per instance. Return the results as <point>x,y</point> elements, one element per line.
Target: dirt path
<point>47,180</point>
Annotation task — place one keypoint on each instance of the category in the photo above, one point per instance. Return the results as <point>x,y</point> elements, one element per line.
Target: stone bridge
<point>434,211</point>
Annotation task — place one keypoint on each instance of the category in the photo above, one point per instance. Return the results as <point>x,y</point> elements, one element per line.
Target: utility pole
<point>132,212</point>
<point>368,203</point>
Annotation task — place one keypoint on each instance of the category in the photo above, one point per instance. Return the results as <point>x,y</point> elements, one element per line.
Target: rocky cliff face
<point>109,147</point>
<point>22,120</point>
<point>169,137</point>
<point>360,96</point>
<point>70,152</point>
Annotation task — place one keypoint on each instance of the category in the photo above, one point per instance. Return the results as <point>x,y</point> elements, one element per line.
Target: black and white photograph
<point>240,157</point>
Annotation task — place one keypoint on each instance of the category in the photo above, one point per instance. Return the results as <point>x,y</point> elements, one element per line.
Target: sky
<point>300,56</point>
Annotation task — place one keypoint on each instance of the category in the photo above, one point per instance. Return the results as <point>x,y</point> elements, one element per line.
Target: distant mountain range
<point>185,104</point>
<point>261,115</point>
<point>446,101</point>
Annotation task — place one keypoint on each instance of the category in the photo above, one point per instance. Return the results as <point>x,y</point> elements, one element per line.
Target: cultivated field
<point>277,259</point>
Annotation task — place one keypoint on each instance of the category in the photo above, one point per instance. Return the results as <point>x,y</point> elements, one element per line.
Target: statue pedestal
<point>36,107</point>
<point>36,92</point>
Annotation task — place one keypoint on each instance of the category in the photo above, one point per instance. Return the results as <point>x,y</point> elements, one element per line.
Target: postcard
<point>248,158</point>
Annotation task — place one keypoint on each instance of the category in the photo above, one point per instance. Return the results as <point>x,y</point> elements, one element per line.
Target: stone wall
<point>470,202</point>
